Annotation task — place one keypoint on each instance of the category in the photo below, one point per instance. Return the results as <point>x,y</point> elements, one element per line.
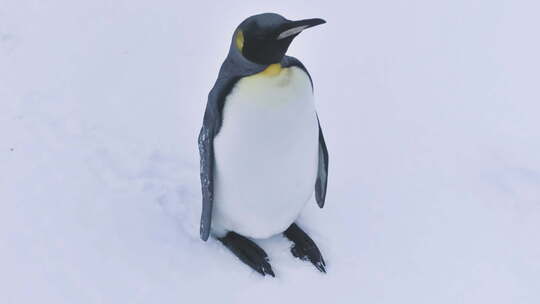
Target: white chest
<point>265,154</point>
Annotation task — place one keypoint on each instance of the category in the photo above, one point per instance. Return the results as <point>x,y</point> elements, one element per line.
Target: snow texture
<point>430,112</point>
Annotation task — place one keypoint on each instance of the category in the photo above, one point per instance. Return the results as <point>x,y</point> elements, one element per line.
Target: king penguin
<point>263,153</point>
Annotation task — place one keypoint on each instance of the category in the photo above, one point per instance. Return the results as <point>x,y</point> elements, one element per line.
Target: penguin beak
<point>295,27</point>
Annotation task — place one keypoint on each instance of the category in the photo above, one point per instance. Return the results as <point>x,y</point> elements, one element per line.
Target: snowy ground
<point>431,114</point>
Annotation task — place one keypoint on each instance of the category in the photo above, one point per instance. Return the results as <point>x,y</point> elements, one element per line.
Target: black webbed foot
<point>248,252</point>
<point>304,247</point>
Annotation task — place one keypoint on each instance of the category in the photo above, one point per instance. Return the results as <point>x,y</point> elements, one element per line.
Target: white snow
<point>430,111</point>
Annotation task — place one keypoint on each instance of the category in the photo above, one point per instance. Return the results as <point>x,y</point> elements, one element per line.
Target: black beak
<point>292,28</point>
<point>307,22</point>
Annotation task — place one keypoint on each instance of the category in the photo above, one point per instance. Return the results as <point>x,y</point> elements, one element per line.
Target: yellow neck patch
<point>272,70</point>
<point>240,40</point>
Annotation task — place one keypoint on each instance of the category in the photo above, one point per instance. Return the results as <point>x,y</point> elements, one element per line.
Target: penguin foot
<point>248,252</point>
<point>304,247</point>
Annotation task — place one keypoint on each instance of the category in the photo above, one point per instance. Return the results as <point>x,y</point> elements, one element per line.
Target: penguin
<point>262,150</point>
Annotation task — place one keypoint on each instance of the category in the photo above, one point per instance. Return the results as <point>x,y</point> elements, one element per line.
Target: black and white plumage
<point>262,149</point>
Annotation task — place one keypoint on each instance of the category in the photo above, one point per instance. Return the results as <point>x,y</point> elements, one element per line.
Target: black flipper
<point>322,171</point>
<point>304,247</point>
<point>206,149</point>
<point>211,125</point>
<point>248,252</point>
<point>233,69</point>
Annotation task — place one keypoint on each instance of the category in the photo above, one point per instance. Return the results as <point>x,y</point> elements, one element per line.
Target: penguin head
<point>265,38</point>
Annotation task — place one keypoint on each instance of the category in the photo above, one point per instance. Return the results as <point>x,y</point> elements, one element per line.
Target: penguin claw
<point>267,269</point>
<point>320,266</point>
<point>304,248</point>
<point>248,252</point>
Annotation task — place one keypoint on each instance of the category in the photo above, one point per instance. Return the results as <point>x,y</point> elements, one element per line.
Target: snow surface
<point>430,111</point>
